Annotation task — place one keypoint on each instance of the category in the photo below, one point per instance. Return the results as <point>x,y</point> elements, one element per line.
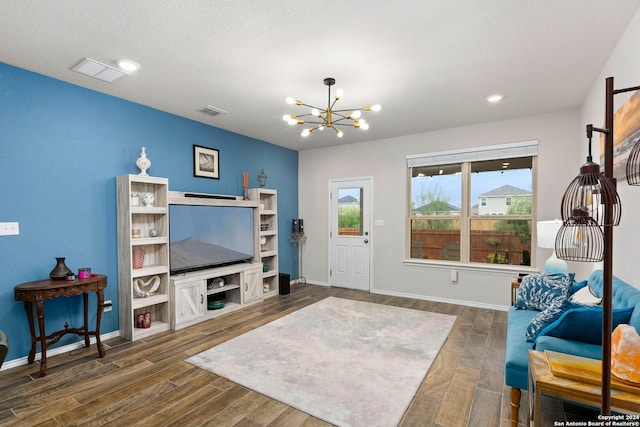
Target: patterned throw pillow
<point>540,291</point>
<point>544,319</point>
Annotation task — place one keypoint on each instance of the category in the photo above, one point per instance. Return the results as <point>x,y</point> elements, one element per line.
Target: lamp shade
<point>580,239</point>
<point>633,165</point>
<point>547,232</point>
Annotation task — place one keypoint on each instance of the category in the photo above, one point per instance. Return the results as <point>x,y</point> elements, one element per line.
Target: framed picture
<point>626,125</point>
<point>206,162</point>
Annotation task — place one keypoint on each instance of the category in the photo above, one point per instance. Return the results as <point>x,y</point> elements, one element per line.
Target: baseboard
<point>426,298</point>
<point>443,300</point>
<point>55,351</point>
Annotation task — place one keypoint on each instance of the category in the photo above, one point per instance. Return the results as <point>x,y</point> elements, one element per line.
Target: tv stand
<point>241,284</point>
<point>181,299</point>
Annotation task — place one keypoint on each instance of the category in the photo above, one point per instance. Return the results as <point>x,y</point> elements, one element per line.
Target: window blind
<point>489,152</point>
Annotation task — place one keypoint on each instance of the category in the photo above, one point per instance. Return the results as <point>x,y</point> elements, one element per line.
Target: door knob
<point>366,240</point>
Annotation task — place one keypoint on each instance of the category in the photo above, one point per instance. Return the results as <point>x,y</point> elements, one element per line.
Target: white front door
<point>349,237</point>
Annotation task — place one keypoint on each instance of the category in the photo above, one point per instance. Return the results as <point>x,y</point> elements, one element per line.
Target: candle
<point>246,179</point>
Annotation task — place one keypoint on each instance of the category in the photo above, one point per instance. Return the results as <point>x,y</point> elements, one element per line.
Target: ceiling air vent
<point>212,111</point>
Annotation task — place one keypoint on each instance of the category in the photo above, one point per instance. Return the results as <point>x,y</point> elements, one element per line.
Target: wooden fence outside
<point>500,247</point>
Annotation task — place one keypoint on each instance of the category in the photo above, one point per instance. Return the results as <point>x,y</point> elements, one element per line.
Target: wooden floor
<point>148,383</point>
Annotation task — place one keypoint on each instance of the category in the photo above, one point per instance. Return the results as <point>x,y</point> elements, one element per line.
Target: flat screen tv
<point>202,237</point>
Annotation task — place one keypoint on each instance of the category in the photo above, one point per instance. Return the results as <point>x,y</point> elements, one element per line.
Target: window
<point>473,205</point>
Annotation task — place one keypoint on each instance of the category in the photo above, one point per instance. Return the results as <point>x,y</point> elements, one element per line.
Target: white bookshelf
<point>267,236</point>
<point>133,214</point>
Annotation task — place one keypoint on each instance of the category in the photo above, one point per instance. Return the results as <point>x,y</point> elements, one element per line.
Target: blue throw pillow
<point>576,286</point>
<point>584,324</point>
<point>539,291</point>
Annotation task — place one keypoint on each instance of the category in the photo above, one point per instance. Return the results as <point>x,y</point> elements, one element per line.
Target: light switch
<point>379,222</point>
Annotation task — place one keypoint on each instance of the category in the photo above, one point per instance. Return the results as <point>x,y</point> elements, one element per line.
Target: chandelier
<point>329,117</point>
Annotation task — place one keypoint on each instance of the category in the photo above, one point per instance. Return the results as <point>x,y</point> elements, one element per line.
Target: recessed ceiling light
<point>128,65</point>
<point>495,98</point>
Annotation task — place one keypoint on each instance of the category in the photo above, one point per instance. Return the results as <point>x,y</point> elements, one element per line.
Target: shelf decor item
<point>143,163</point>
<point>138,258</point>
<point>217,301</point>
<point>206,162</point>
<point>147,320</point>
<point>148,200</point>
<point>60,271</point>
<point>146,288</point>
<point>245,185</point>
<point>262,178</point>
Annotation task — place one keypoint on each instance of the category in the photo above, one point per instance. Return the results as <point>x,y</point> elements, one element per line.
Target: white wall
<point>385,161</point>
<point>624,66</point>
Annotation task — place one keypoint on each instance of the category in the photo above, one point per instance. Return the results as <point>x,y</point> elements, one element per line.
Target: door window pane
<point>350,211</point>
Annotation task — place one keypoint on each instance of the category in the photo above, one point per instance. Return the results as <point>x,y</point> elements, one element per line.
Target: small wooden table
<point>515,285</point>
<point>42,290</point>
<point>543,382</point>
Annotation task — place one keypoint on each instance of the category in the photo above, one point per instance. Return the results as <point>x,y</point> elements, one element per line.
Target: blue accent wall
<point>62,147</point>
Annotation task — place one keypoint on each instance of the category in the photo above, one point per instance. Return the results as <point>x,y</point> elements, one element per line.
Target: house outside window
<point>478,210</point>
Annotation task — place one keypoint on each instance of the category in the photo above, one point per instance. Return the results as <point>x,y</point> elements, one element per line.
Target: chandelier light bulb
<point>290,100</point>
<point>321,127</point>
<point>376,107</point>
<point>292,121</point>
<point>356,114</point>
<point>286,117</point>
<point>340,134</point>
<point>315,112</point>
<point>305,132</point>
<point>339,93</point>
<point>364,126</point>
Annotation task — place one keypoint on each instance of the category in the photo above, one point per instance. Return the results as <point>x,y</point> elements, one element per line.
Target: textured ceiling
<point>430,63</point>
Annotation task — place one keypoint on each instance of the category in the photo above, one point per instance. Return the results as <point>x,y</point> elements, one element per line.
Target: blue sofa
<point>569,334</point>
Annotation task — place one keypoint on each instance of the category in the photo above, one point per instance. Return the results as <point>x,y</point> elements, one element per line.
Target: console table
<point>39,291</point>
<point>542,382</point>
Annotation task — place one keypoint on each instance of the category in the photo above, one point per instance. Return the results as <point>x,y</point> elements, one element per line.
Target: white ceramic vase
<point>143,163</point>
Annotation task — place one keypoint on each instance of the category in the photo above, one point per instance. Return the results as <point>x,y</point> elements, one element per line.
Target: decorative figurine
<point>143,163</point>
<point>262,178</point>
<point>148,200</point>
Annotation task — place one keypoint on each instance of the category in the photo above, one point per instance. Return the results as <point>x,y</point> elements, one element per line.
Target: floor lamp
<point>590,209</point>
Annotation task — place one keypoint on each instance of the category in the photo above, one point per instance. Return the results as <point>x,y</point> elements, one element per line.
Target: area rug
<point>349,363</point>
